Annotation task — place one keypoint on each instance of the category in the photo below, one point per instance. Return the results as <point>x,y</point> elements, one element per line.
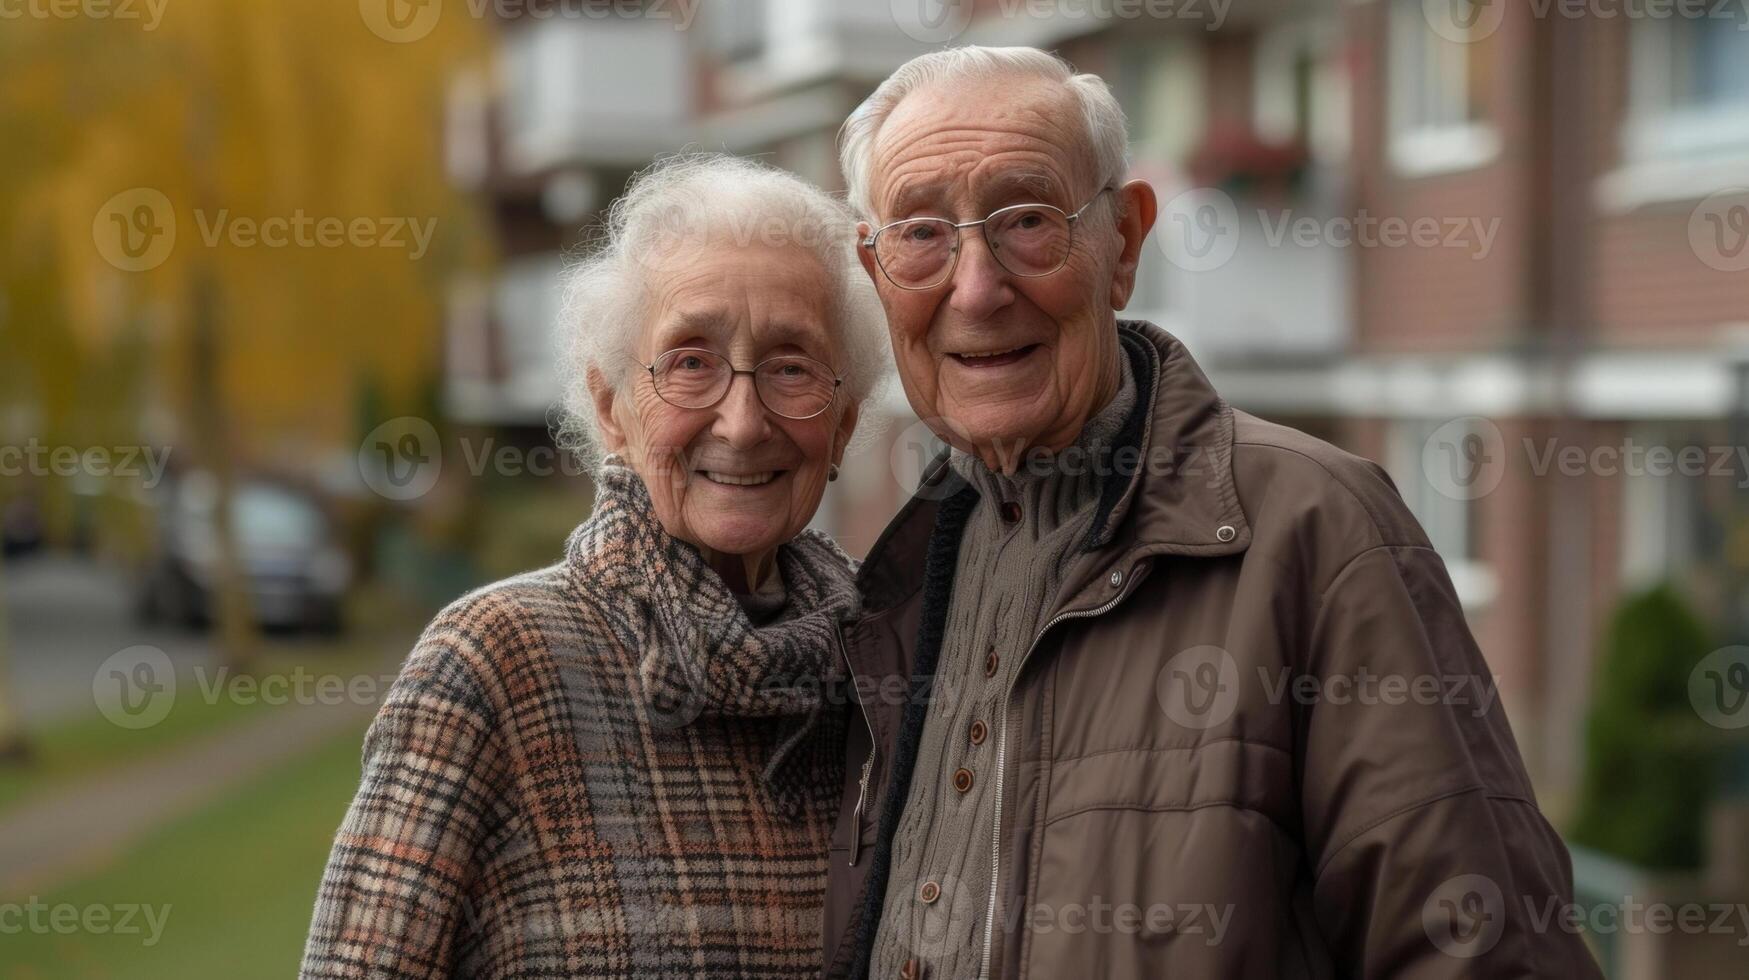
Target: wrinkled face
<point>734,478</point>
<point>999,363</point>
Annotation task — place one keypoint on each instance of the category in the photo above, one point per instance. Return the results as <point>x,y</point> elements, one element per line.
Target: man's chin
<point>994,436</point>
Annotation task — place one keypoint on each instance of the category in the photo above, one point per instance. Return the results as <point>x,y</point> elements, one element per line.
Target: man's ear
<point>1139,210</point>
<point>866,255</point>
<point>613,437</point>
<point>846,429</point>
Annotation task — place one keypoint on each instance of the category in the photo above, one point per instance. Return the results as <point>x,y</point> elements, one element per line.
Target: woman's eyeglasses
<point>788,385</point>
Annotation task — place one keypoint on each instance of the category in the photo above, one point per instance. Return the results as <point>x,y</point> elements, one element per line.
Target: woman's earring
<point>831,472</point>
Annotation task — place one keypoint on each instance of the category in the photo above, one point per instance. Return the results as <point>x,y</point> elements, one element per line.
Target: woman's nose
<point>741,420</point>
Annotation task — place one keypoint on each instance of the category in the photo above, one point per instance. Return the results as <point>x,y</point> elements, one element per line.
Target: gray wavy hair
<point>1107,132</point>
<point>703,200</point>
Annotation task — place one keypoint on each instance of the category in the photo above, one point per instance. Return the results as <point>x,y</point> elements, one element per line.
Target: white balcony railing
<point>613,91</point>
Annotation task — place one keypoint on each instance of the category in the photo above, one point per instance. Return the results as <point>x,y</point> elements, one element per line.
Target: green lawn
<point>88,744</point>
<point>237,878</point>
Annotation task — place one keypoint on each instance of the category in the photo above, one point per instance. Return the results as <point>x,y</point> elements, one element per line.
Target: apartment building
<point>1467,239</point>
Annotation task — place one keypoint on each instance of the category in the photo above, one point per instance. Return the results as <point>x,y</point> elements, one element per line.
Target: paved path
<point>77,829</point>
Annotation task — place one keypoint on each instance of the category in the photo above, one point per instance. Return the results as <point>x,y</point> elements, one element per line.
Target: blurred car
<point>21,527</point>
<point>287,548</point>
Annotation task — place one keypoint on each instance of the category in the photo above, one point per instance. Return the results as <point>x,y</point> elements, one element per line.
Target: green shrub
<point>1649,761</point>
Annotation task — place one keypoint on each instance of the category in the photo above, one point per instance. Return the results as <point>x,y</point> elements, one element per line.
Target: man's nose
<point>980,284</point>
<point>741,421</point>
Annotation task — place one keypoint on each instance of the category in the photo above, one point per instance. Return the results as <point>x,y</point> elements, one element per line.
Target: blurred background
<point>277,301</point>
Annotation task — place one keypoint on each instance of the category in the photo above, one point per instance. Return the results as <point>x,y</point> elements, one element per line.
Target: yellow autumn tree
<point>218,228</point>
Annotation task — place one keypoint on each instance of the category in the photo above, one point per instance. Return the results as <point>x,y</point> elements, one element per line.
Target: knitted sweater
<point>600,769</point>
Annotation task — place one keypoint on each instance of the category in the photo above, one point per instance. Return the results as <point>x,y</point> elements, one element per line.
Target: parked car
<point>21,527</point>
<point>287,548</point>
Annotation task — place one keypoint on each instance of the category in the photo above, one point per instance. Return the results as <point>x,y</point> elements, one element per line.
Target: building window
<point>1448,517</point>
<point>737,30</point>
<point>1301,92</point>
<point>1690,88</point>
<point>1436,84</point>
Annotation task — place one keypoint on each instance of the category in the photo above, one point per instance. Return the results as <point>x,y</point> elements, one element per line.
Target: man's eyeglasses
<point>789,385</point>
<point>1027,239</point>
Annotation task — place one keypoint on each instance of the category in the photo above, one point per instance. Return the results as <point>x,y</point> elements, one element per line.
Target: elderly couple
<point>1039,732</point>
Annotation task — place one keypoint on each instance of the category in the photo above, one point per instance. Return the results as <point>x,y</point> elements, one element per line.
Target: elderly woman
<point>625,764</point>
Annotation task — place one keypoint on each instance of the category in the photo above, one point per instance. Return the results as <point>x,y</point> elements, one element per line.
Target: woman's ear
<point>846,429</point>
<point>613,437</point>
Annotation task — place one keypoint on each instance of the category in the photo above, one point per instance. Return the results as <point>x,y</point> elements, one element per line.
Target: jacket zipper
<point>867,764</point>
<point>1002,764</point>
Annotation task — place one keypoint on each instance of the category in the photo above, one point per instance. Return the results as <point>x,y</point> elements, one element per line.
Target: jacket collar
<point>1170,490</point>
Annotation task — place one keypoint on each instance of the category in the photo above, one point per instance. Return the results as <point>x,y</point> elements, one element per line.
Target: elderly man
<point>1134,630</point>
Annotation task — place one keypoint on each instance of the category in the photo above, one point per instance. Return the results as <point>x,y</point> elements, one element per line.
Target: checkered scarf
<point>602,769</point>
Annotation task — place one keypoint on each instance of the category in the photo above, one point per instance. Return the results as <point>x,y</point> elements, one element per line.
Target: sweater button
<point>979,731</point>
<point>1010,512</point>
<point>929,893</point>
<point>990,663</point>
<point>962,780</point>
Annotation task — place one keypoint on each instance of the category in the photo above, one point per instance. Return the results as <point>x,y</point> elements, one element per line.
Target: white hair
<point>1107,133</point>
<point>705,200</point>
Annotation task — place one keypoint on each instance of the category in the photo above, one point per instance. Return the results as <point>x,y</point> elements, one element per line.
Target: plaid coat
<point>600,769</point>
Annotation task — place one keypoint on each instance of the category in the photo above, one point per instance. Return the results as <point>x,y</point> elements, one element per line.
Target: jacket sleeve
<point>1430,856</point>
<point>394,897</point>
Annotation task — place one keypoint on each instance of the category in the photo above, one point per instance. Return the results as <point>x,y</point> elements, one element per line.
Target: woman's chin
<point>739,534</point>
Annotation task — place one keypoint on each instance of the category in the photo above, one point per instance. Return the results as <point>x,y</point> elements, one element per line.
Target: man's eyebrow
<point>1038,184</point>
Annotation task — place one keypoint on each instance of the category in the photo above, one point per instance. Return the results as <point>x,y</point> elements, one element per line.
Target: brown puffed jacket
<point>1254,739</point>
